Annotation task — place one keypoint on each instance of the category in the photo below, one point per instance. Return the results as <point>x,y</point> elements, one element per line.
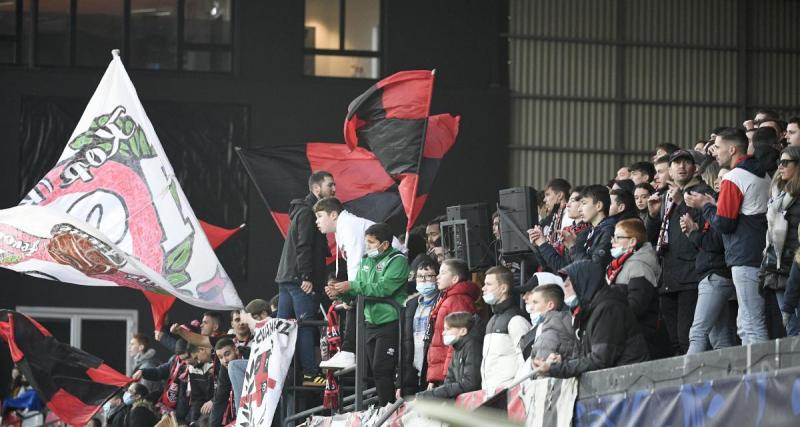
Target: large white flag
<point>112,213</point>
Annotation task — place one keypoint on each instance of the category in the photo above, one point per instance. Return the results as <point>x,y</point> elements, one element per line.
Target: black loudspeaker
<point>519,206</point>
<point>465,234</point>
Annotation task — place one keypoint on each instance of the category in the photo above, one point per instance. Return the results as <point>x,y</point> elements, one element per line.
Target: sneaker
<point>314,380</point>
<point>340,360</point>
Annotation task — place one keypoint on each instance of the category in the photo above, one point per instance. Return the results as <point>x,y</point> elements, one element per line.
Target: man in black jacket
<point>301,272</point>
<point>223,411</point>
<point>608,330</point>
<point>678,283</point>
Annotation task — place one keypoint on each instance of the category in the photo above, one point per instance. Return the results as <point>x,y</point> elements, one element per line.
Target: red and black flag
<point>392,119</point>
<point>72,383</point>
<point>280,174</point>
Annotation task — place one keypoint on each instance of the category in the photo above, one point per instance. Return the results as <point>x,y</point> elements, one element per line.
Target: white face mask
<point>490,298</point>
<point>618,252</point>
<point>448,339</point>
<point>372,253</point>
<point>571,301</point>
<point>127,398</point>
<point>536,317</point>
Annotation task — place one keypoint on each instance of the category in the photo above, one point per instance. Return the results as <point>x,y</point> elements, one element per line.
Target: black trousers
<point>677,311</point>
<point>349,333</point>
<point>382,346</point>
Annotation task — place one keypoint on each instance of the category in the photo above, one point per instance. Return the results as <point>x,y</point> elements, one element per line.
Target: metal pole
<point>360,344</point>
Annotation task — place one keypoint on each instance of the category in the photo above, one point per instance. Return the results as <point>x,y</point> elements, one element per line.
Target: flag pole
<point>421,152</point>
<point>114,53</point>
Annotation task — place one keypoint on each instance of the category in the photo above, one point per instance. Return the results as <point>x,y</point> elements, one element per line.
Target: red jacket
<point>459,297</point>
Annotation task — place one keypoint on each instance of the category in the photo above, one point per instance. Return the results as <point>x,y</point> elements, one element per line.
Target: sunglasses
<point>786,162</point>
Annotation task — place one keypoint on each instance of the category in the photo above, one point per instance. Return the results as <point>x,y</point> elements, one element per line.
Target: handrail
<point>361,343</point>
<point>317,409</point>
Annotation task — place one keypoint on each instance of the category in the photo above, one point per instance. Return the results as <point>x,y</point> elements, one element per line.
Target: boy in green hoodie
<point>383,273</point>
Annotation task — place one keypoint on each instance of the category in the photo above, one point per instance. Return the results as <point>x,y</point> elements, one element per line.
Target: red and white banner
<point>112,213</point>
<point>271,352</point>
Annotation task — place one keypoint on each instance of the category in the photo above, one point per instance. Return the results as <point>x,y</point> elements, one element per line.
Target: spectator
<point>501,353</point>
<point>144,356</point>
<point>740,216</point>
<point>624,184</point>
<point>678,285</point>
<point>664,149</point>
<point>456,293</point>
<point>642,172</point>
<point>783,219</point>
<point>552,325</point>
<point>662,179</point>
<point>556,194</point>
<point>641,195</point>
<point>710,175</point>
<point>242,333</point>
<point>463,333</point>
<point>767,149</point>
<point>607,328</point>
<point>383,273</point>
<point>710,327</point>
<point>622,206</point>
<point>635,271</point>
<point>140,412</point>
<point>418,311</point>
<point>302,271</point>
<point>201,382</point>
<point>433,233</point>
<point>793,131</point>
<point>222,410</point>
<point>174,373</point>
<point>622,173</point>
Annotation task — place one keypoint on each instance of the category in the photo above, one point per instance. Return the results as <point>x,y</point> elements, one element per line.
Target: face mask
<point>127,398</point>
<point>490,299</point>
<point>106,407</point>
<point>536,317</point>
<point>426,288</point>
<point>448,339</point>
<point>372,253</point>
<point>572,301</point>
<point>618,252</point>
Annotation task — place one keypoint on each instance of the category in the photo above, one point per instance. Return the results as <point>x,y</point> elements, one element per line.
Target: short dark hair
<point>380,231</point>
<point>559,185</point>
<point>437,220</point>
<point>317,178</point>
<point>625,184</point>
<point>626,198</point>
<point>765,135</point>
<point>645,186</point>
<point>668,147</point>
<point>736,137</point>
<point>578,189</point>
<point>457,267</point>
<point>328,205</point>
<point>143,340</point>
<point>257,306</point>
<point>771,115</point>
<point>216,316</point>
<point>795,120</point>
<point>660,160</point>
<point>192,349</point>
<point>224,342</point>
<point>140,389</point>
<point>646,168</point>
<point>180,346</point>
<point>234,313</point>
<point>504,276</point>
<point>460,319</point>
<point>598,193</point>
<point>427,262</point>
<point>551,292</point>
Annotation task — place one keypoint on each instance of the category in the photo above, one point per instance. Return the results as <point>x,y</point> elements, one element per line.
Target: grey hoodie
<point>147,359</point>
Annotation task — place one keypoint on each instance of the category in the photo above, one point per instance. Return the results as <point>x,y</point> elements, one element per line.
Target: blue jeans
<point>293,303</point>
<point>711,315</point>
<point>792,329</point>
<point>750,321</point>
<point>236,370</point>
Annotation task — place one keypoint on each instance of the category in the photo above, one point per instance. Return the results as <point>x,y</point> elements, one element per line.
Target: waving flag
<point>111,211</point>
<point>281,173</point>
<point>72,383</point>
<point>392,119</point>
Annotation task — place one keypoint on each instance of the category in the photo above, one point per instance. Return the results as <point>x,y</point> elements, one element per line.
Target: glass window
<point>53,33</point>
<point>106,340</point>
<point>208,21</point>
<point>154,34</point>
<point>204,60</point>
<point>342,46</point>
<point>99,31</point>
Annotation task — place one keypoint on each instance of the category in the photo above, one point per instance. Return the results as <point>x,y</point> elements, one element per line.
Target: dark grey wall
<point>460,39</point>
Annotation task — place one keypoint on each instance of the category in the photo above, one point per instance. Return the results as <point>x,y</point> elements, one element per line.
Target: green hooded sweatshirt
<point>383,276</point>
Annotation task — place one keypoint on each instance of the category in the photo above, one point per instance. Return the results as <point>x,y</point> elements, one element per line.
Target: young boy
<point>418,311</point>
<point>461,331</point>
<point>383,273</point>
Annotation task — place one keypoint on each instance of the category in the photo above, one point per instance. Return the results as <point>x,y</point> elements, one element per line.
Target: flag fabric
<point>111,212</point>
<point>161,303</point>
<point>281,173</point>
<point>392,119</point>
<point>271,352</point>
<point>72,383</point>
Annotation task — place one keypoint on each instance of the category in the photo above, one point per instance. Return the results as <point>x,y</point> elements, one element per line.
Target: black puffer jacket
<point>774,277</point>
<point>608,331</point>
<point>305,248</point>
<point>678,259</point>
<point>464,372</point>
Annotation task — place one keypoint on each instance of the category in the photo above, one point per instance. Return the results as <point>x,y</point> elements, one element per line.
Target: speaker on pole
<point>519,206</point>
<point>465,234</point>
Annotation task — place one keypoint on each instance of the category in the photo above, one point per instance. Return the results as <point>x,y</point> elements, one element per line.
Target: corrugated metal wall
<point>595,84</point>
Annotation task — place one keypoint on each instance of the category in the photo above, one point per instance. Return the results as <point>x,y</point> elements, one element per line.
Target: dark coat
<point>413,380</point>
<point>608,331</point>
<point>464,371</point>
<point>142,414</point>
<point>305,248</point>
<point>222,394</point>
<point>774,277</point>
<point>678,258</point>
<point>711,251</point>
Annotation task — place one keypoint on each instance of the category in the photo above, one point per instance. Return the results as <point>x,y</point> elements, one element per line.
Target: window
<point>194,35</point>
<point>104,333</point>
<point>342,38</point>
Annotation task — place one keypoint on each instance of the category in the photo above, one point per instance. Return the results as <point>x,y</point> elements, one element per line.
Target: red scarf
<point>329,346</point>
<point>616,266</point>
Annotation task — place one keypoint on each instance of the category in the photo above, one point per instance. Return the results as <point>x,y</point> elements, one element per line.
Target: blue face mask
<point>426,288</point>
<point>618,252</point>
<point>127,398</point>
<point>536,317</point>
<point>490,299</point>
<point>572,301</point>
<point>372,253</point>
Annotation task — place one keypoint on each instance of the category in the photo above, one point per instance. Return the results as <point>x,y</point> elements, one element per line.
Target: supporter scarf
<point>616,266</point>
<point>663,234</point>
<point>169,398</point>
<point>331,345</point>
